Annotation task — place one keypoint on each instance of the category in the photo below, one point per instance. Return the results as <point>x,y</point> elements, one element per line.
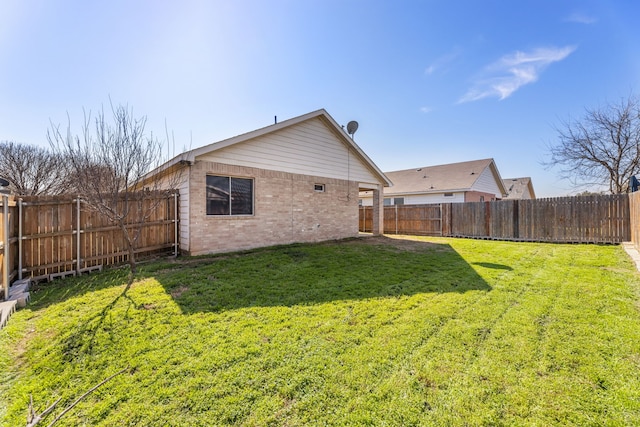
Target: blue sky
<point>430,82</point>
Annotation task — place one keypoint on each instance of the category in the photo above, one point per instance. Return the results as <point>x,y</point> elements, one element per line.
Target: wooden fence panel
<point>634,208</point>
<point>366,219</point>
<point>64,236</point>
<point>47,236</point>
<point>468,219</point>
<point>583,219</point>
<point>421,220</point>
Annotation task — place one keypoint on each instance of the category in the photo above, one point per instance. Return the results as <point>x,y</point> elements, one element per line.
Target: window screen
<point>229,195</point>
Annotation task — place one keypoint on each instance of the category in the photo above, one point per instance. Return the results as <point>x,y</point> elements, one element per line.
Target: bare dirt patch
<point>401,243</point>
<point>177,293</point>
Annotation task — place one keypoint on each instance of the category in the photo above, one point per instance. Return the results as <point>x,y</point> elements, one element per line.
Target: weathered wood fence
<point>419,220</point>
<point>580,219</point>
<point>634,213</point>
<point>46,237</point>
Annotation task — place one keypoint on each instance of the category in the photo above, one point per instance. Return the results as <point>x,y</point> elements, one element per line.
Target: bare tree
<point>32,170</point>
<point>110,161</point>
<point>602,149</point>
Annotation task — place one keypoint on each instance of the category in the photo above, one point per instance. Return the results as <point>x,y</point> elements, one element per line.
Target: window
<point>229,196</point>
<point>398,201</point>
<point>319,188</point>
<point>448,194</point>
<point>482,198</point>
<point>387,202</point>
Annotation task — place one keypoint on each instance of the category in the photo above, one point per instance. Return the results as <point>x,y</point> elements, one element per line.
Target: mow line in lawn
<point>411,331</point>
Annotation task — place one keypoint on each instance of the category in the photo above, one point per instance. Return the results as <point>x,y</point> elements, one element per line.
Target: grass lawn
<point>371,331</point>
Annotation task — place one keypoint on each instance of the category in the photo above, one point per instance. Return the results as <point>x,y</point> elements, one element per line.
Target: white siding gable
<point>308,148</point>
<point>486,183</point>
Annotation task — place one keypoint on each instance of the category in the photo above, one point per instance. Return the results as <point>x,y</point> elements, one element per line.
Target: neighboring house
<point>519,188</point>
<point>473,181</point>
<point>294,181</point>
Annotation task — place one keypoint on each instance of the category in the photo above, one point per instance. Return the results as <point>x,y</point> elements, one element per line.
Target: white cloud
<point>426,110</point>
<point>581,18</point>
<point>502,78</point>
<point>442,61</point>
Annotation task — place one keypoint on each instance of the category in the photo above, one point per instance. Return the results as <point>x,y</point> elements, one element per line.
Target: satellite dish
<point>352,127</point>
<point>4,182</point>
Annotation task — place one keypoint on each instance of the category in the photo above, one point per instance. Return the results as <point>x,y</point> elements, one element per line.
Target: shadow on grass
<point>81,340</point>
<point>371,267</point>
<point>493,266</point>
<point>49,293</point>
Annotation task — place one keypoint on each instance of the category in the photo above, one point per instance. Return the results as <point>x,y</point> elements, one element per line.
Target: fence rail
<point>44,237</point>
<point>580,219</point>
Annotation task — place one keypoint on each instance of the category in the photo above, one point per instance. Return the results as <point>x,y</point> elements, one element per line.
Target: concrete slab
<point>6,308</point>
<point>633,253</point>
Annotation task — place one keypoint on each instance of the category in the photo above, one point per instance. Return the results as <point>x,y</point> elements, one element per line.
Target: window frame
<point>230,179</point>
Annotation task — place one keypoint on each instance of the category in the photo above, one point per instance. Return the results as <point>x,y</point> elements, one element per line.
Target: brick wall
<point>287,209</point>
<point>475,196</point>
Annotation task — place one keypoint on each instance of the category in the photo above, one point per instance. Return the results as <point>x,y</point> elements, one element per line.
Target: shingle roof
<point>516,187</point>
<point>436,179</point>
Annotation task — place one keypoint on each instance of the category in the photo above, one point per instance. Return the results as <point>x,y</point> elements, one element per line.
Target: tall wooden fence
<point>419,220</point>
<point>580,219</point>
<point>46,237</point>
<point>634,209</point>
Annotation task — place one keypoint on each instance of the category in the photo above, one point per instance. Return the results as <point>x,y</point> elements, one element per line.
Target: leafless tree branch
<point>602,148</point>
<point>32,170</point>
<point>110,160</point>
<point>34,419</point>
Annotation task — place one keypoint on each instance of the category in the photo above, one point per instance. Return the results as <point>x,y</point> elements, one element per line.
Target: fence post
<point>487,219</point>
<point>20,239</point>
<point>78,252</point>
<point>5,246</point>
<point>396,217</point>
<point>516,220</point>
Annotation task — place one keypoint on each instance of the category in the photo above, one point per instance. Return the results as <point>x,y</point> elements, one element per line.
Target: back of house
<point>293,181</point>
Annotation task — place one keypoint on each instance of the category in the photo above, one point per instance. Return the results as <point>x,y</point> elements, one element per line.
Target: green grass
<point>375,331</point>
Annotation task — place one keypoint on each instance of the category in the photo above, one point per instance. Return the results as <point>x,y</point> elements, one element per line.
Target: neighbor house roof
<point>442,178</point>
<point>322,114</point>
<point>516,187</point>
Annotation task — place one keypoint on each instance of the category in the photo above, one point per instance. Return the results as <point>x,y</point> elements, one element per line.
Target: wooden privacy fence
<point>420,220</point>
<point>580,219</point>
<point>47,237</point>
<point>634,213</point>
